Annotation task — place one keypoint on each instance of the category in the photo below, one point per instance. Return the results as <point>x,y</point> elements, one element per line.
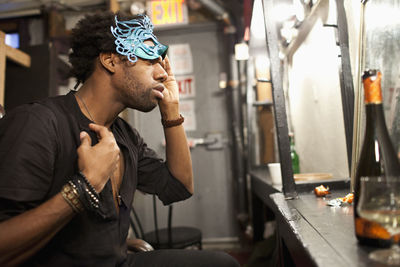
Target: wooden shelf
<point>262,103</point>
<point>15,55</point>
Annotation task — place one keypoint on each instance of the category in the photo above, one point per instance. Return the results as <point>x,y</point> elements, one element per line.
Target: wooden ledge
<point>14,54</point>
<point>18,56</point>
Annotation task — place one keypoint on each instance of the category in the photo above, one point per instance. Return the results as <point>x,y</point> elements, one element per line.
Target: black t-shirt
<point>38,144</point>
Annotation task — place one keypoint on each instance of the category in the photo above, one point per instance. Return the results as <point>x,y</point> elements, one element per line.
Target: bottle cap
<point>369,73</point>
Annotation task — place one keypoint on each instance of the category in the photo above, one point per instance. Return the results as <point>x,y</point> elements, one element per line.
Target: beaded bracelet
<point>87,194</point>
<point>172,123</point>
<point>89,189</point>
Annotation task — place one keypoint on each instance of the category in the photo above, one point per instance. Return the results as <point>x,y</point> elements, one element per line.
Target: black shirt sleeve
<point>27,154</point>
<point>155,178</point>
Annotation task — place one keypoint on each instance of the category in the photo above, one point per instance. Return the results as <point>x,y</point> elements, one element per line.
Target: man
<point>69,165</point>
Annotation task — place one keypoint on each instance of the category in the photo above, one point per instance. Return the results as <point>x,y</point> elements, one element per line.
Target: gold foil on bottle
<point>372,89</point>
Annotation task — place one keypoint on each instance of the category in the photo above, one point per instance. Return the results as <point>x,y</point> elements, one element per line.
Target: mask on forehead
<point>130,37</point>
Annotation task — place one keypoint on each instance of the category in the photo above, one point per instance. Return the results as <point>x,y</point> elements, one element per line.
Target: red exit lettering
<point>185,86</point>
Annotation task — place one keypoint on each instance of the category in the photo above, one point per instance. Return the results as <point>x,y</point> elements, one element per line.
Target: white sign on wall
<point>180,56</point>
<point>186,85</point>
<point>187,109</point>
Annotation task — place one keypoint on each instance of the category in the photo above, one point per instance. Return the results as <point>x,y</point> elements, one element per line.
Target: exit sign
<point>167,12</point>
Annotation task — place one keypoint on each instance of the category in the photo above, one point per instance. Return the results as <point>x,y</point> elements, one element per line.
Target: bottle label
<point>372,89</point>
<point>370,229</point>
<point>373,230</point>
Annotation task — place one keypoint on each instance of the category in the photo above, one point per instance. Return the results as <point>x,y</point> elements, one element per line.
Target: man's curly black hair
<point>90,37</point>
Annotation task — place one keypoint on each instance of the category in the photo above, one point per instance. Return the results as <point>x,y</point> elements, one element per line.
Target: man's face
<point>140,84</point>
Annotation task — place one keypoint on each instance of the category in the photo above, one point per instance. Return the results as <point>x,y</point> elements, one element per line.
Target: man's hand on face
<point>98,162</point>
<point>169,105</point>
<point>172,91</point>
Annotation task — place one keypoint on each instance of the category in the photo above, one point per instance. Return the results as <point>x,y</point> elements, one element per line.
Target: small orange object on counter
<point>321,191</point>
<point>348,198</point>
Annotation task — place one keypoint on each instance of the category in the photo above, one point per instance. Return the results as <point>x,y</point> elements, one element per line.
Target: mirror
<point>311,67</point>
<point>382,51</point>
<point>314,99</point>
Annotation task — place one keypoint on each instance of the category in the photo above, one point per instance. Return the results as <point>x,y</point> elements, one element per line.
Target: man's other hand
<point>98,162</point>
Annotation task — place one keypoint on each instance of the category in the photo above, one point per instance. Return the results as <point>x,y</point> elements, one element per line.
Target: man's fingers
<point>101,131</point>
<point>85,139</point>
<point>167,66</point>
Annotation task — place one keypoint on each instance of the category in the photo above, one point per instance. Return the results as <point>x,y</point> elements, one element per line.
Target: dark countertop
<point>315,234</point>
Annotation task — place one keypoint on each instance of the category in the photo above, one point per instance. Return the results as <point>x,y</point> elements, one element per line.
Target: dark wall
<point>24,85</point>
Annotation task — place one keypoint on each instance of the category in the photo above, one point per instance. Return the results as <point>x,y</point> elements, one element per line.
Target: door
<point>211,208</point>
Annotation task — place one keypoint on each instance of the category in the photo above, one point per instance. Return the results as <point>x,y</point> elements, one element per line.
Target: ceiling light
<point>137,8</point>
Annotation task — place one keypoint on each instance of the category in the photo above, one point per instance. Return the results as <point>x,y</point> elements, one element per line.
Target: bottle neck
<point>291,142</point>
<point>375,123</point>
<point>373,101</point>
<point>374,114</point>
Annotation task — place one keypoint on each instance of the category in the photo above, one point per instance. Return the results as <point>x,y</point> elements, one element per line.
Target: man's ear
<point>108,61</point>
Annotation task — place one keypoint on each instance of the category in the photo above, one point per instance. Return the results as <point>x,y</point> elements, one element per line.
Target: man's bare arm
<point>177,150</point>
<point>23,235</point>
<point>178,156</point>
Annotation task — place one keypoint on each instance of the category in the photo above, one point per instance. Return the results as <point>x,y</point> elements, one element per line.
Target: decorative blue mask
<point>130,36</point>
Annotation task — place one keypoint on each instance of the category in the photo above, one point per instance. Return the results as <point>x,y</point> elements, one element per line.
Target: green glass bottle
<point>294,155</point>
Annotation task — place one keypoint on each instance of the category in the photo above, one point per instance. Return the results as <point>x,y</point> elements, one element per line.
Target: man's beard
<point>138,97</point>
<point>136,94</point>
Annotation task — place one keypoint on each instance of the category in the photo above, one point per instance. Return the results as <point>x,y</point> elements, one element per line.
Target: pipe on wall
<point>217,10</point>
<point>234,104</point>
